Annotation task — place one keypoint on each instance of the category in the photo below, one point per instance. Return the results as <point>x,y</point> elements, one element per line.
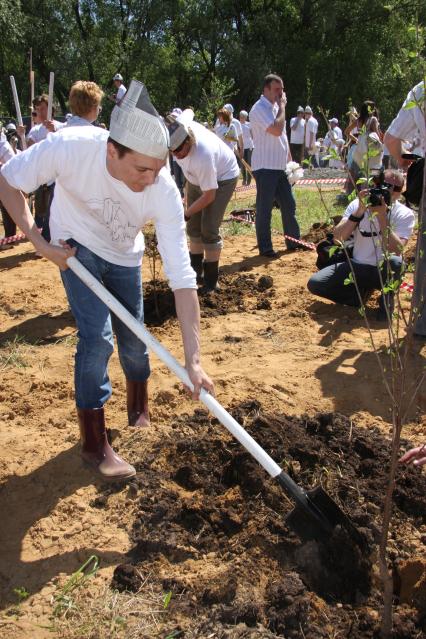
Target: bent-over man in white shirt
<point>107,188</point>
<point>211,170</point>
<point>269,160</point>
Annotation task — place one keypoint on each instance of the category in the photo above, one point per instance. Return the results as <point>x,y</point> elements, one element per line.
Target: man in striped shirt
<point>269,160</point>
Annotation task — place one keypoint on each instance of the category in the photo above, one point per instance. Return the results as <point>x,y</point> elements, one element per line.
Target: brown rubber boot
<point>95,449</point>
<point>137,403</point>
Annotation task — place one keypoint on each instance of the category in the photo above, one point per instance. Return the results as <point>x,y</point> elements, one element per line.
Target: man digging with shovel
<point>107,188</point>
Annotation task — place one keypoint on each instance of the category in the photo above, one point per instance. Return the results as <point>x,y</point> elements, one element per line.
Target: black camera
<point>379,190</point>
<point>376,193</point>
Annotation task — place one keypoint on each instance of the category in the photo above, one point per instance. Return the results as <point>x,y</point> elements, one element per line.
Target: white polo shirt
<point>270,151</point>
<point>410,123</point>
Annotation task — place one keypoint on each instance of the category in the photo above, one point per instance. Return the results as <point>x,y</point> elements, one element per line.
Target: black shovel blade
<point>317,518</point>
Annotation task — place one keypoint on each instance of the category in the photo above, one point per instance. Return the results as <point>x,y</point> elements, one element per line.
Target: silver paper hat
<point>136,124</point>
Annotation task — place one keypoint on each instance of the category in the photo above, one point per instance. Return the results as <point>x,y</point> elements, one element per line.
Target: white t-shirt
<point>39,131</point>
<point>297,135</point>
<point>100,211</point>
<point>331,137</point>
<point>227,134</point>
<point>410,123</point>
<point>311,127</point>
<point>237,125</point>
<point>6,151</point>
<point>210,161</point>
<point>368,250</point>
<point>247,139</point>
<point>120,93</point>
<point>270,151</point>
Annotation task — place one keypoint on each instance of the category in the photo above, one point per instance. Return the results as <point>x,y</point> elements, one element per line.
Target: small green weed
<point>22,593</point>
<point>13,353</point>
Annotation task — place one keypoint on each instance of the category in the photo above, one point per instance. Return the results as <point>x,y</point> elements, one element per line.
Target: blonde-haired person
<point>226,130</point>
<point>85,103</point>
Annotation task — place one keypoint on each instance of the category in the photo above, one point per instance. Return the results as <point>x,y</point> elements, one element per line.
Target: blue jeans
<point>273,185</point>
<point>329,282</point>
<point>95,325</point>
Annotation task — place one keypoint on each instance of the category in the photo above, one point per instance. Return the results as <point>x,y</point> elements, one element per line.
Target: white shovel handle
<point>18,109</point>
<point>152,343</point>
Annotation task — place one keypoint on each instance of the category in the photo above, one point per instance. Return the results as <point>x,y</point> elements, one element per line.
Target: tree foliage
<point>200,52</point>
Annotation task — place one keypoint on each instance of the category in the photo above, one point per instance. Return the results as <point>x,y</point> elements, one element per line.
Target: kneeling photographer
<point>380,225</point>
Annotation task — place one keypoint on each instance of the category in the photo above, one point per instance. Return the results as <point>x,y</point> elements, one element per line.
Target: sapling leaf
<point>332,250</point>
<point>410,105</point>
<point>166,599</point>
<point>349,280</point>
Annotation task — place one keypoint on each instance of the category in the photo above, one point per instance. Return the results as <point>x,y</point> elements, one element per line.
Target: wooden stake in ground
<point>50,102</point>
<point>18,109</point>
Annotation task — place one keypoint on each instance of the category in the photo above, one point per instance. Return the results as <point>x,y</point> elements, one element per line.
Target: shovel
<point>316,514</point>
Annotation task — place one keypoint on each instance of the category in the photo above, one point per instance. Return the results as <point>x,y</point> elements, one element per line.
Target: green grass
<point>14,353</point>
<point>309,209</point>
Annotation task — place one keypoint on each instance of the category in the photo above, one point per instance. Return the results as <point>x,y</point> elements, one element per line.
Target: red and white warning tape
<point>407,287</point>
<point>249,187</point>
<point>307,181</point>
<point>12,239</point>
<point>321,181</point>
<point>308,245</point>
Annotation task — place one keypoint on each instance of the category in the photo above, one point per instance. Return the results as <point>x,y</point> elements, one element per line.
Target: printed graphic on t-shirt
<point>111,215</point>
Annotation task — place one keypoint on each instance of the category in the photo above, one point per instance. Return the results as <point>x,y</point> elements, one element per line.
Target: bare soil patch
<point>202,520</point>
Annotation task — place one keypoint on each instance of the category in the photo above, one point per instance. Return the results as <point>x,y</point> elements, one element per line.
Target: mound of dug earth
<point>210,527</point>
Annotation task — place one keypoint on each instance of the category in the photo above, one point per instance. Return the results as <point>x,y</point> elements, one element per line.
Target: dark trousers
<point>245,172</point>
<point>42,201</point>
<point>329,282</point>
<point>273,185</point>
<point>8,224</point>
<point>296,152</point>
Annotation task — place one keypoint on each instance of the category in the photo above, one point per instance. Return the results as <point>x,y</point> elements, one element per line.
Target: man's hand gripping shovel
<point>316,514</point>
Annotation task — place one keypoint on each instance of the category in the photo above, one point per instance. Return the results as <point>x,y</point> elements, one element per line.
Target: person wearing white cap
<point>121,89</point>
<point>333,141</point>
<point>211,170</point>
<point>107,189</point>
<point>311,130</point>
<point>297,135</point>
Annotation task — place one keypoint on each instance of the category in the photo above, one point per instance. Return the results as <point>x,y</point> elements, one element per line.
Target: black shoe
<point>381,315</point>
<point>419,338</point>
<point>271,253</point>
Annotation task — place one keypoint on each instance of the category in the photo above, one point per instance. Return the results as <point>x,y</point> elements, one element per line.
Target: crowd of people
<point>94,189</point>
